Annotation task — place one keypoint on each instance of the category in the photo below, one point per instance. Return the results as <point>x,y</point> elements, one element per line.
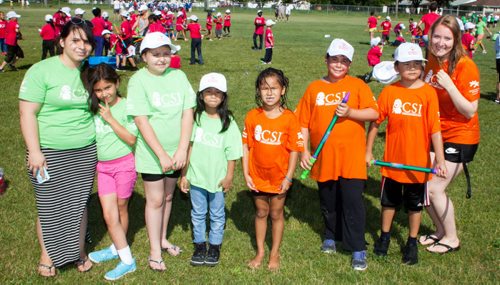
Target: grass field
<point>299,51</point>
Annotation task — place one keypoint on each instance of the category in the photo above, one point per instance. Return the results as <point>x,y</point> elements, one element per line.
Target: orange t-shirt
<point>270,142</point>
<point>413,116</point>
<point>455,127</point>
<point>343,154</point>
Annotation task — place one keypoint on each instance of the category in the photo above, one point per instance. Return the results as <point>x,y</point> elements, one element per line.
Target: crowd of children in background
<point>170,130</point>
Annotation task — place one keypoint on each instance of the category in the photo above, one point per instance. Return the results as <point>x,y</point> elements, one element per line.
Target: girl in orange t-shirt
<point>271,143</point>
<point>340,169</point>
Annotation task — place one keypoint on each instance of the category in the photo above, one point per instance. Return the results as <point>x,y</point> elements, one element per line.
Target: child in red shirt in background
<point>227,23</point>
<point>386,30</point>
<point>115,46</point>
<point>98,26</point>
<point>412,26</point>
<point>209,25</point>
<point>468,40</point>
<point>48,34</point>
<point>271,144</point>
<point>3,28</point>
<point>218,26</point>
<point>179,26</point>
<point>269,39</point>
<point>108,25</point>
<point>259,23</point>
<point>372,24</point>
<point>169,24</point>
<point>60,19</point>
<point>13,50</point>
<point>155,25</point>
<point>125,37</point>
<point>373,56</point>
<point>194,29</point>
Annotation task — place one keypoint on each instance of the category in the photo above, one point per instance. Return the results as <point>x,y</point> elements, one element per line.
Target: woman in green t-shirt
<point>480,27</point>
<point>59,133</point>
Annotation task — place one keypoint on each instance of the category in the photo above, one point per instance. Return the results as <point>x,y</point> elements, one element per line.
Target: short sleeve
<point>137,99</point>
<point>233,147</point>
<point>131,127</point>
<point>189,96</point>
<point>295,139</point>
<point>33,87</point>
<point>366,98</point>
<point>433,112</point>
<point>382,105</point>
<point>247,131</point>
<point>468,80</point>
<point>304,109</point>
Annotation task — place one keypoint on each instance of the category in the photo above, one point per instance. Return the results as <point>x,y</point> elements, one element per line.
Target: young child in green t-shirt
<point>215,147</point>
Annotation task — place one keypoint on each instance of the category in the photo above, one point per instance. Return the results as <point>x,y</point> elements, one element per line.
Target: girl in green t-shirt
<point>215,147</point>
<point>116,175</point>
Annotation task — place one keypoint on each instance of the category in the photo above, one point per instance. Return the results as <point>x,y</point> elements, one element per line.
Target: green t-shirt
<point>210,152</point>
<point>64,119</point>
<point>162,99</point>
<point>109,145</point>
<point>480,28</point>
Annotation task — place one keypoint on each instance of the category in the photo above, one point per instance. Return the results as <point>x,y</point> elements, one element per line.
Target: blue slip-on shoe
<point>102,255</point>
<point>120,270</point>
<point>359,260</point>
<point>328,246</point>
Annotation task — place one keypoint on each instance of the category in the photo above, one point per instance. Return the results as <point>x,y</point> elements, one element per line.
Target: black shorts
<point>12,52</point>
<point>394,193</point>
<point>385,38</point>
<point>155,177</point>
<point>498,68</point>
<point>454,152</point>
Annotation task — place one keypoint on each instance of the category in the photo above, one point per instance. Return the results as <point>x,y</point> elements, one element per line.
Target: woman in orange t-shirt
<point>455,78</point>
<point>271,144</point>
<point>340,168</point>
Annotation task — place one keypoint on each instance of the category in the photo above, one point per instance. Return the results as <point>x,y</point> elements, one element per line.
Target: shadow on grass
<point>490,96</point>
<point>23,67</point>
<point>180,216</point>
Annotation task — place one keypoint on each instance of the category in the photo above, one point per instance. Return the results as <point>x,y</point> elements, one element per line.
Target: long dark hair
<point>91,76</point>
<point>78,25</point>
<point>261,79</point>
<point>223,111</point>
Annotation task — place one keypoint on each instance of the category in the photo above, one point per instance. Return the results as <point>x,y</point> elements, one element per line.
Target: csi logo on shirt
<point>266,136</point>
<point>207,138</point>
<point>67,94</point>
<point>323,99</point>
<point>407,108</point>
<point>166,100</point>
<point>431,79</point>
<point>101,127</point>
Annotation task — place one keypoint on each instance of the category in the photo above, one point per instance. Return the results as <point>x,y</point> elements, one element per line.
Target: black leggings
<point>255,41</point>
<point>227,29</point>
<point>48,46</point>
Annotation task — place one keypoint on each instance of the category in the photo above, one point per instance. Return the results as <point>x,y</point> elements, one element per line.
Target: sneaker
<point>496,100</point>
<point>359,260</point>
<point>199,255</point>
<point>213,255</point>
<point>484,52</point>
<point>120,270</point>
<point>410,254</point>
<point>328,246</point>
<point>381,247</point>
<point>102,255</point>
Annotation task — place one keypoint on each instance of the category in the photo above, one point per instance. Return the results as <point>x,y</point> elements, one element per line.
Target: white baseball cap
<point>179,13</point>
<point>270,22</point>
<point>193,18</point>
<point>79,11</point>
<point>157,13</point>
<point>12,14</point>
<point>131,10</point>
<point>155,40</point>
<point>124,14</point>
<point>375,41</point>
<point>48,18</point>
<point>259,11</point>
<point>408,52</point>
<point>469,26</point>
<point>340,47</point>
<point>228,11</point>
<point>384,72</point>
<point>105,32</point>
<point>403,26</point>
<point>105,14</point>
<point>218,14</point>
<point>143,7</point>
<point>388,18</point>
<point>66,10</point>
<point>215,80</point>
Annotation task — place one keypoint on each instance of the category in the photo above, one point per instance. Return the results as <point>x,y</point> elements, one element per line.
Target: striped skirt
<point>61,201</point>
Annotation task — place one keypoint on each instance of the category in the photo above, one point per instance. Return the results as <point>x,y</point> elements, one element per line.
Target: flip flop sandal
<point>448,248</point>
<point>47,269</point>
<point>172,250</point>
<point>159,262</point>
<point>80,265</point>
<point>433,238</point>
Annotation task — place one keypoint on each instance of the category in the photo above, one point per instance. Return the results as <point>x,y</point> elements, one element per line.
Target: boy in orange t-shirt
<point>340,169</point>
<point>412,110</point>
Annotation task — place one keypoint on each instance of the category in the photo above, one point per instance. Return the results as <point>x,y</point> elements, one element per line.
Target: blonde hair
<point>457,51</point>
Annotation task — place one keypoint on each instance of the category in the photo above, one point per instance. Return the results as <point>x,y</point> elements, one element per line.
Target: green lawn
<point>299,51</point>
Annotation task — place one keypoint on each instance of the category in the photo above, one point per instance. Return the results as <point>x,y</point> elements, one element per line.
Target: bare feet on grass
<point>256,262</point>
<point>274,262</point>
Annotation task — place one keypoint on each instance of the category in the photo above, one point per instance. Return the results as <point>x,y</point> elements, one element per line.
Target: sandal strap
<point>45,266</point>
<point>155,261</point>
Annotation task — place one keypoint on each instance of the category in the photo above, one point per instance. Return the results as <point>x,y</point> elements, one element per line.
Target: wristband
<point>288,179</point>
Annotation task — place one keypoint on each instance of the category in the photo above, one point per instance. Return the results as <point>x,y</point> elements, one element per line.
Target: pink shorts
<point>117,176</point>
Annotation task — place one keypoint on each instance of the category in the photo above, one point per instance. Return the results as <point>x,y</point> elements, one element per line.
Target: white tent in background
<point>461,2</point>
